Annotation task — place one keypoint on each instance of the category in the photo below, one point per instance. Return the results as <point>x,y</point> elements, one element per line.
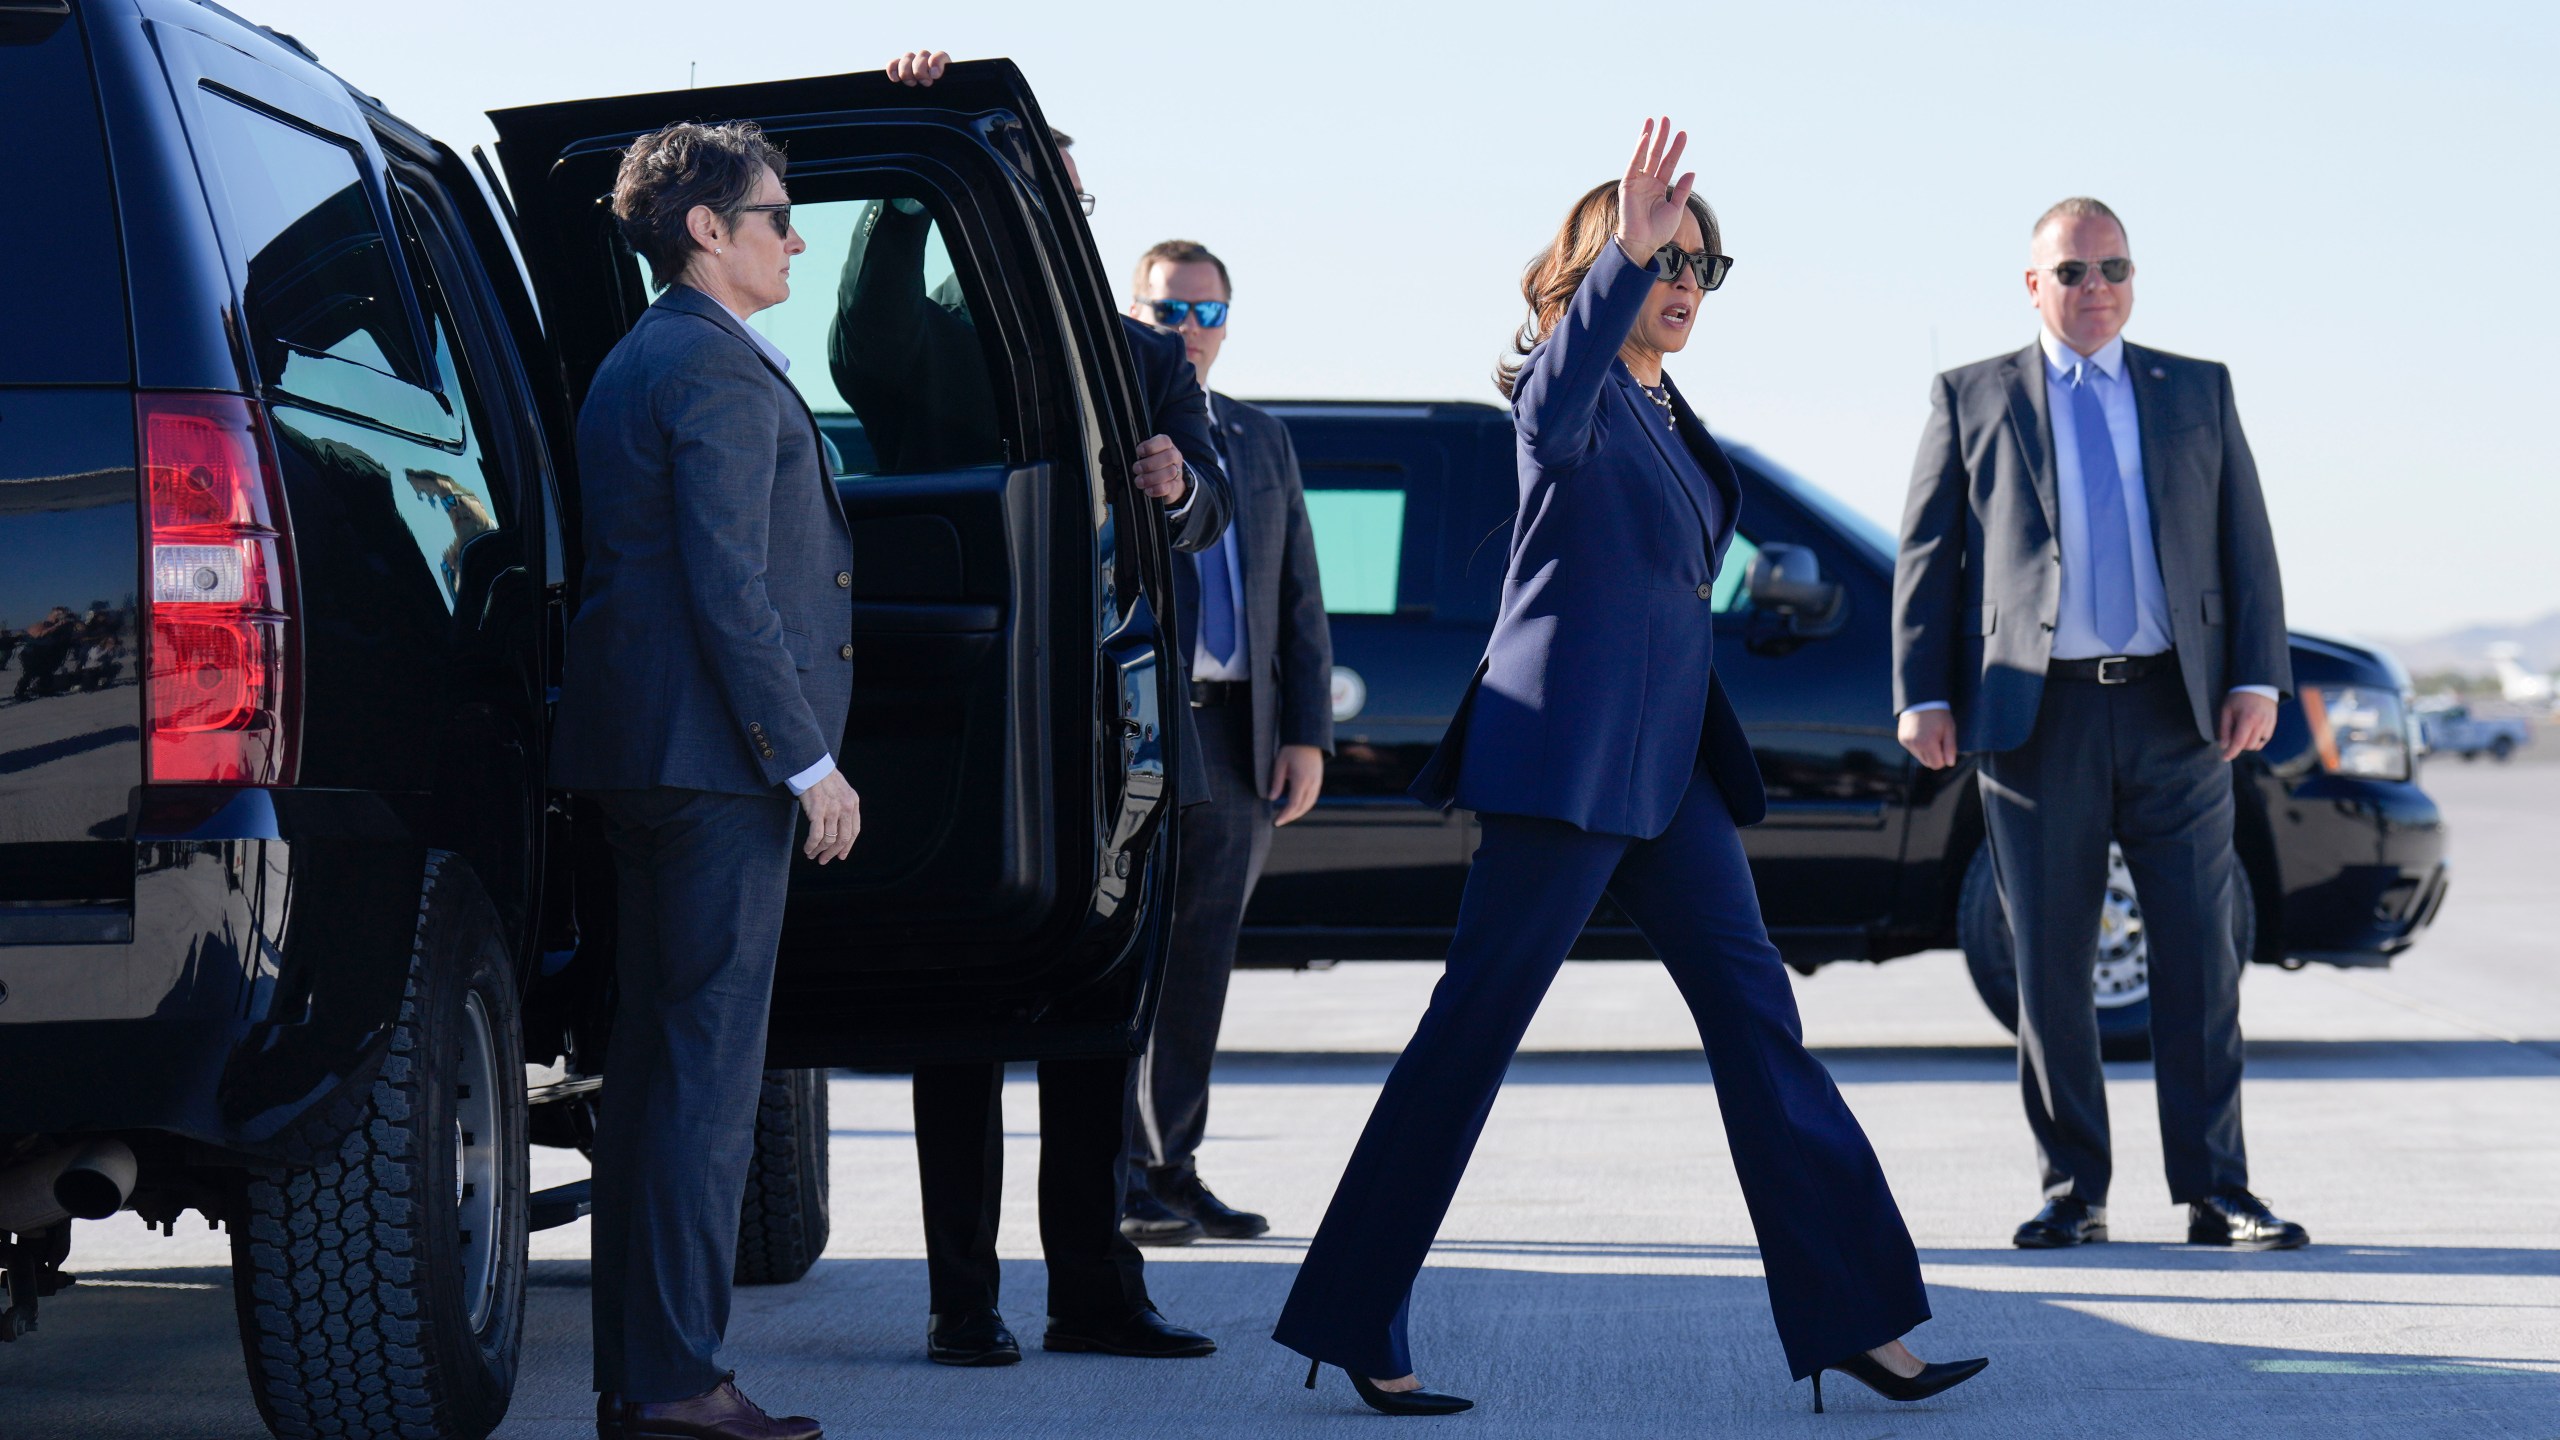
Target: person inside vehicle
<point>1098,1297</point>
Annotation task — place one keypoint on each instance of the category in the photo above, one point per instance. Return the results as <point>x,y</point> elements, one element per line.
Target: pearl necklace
<point>1660,395</point>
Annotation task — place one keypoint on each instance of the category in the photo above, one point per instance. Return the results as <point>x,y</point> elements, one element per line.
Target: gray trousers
<point>699,882</point>
<point>2121,762</point>
<point>1224,843</point>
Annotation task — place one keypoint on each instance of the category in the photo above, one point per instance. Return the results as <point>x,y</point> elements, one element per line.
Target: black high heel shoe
<point>1867,1370</point>
<point>1397,1402</point>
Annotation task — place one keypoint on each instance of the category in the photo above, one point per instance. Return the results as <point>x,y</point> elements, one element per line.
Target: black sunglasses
<point>781,214</point>
<point>1210,313</point>
<point>2116,269</point>
<point>1707,265</point>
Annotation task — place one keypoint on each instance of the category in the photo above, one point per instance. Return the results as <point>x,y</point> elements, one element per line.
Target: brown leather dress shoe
<point>719,1413</point>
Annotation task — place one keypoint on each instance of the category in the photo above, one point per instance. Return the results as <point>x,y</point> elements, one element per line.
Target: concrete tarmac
<point>1597,1276</point>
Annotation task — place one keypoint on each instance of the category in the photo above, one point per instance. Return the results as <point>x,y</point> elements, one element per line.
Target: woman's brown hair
<point>1551,280</point>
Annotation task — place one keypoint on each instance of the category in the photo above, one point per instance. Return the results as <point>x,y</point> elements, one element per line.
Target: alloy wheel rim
<point>476,1163</point>
<point>2123,972</point>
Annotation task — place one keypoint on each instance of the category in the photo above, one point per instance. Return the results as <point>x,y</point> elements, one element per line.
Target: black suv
<point>1865,855</point>
<point>291,932</point>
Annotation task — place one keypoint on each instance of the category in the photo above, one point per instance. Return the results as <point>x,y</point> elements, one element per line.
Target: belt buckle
<point>2108,676</point>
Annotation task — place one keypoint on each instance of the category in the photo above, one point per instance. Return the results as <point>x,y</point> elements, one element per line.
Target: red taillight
<point>219,686</point>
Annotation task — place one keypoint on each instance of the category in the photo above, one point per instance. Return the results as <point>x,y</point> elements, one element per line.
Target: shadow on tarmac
<point>1548,1354</point>
<point>2465,1059</point>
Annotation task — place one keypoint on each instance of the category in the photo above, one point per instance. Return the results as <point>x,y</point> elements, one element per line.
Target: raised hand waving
<point>1650,202</point>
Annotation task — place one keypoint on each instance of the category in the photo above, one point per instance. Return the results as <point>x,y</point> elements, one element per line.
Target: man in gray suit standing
<point>1249,614</point>
<point>2087,597</point>
<point>709,673</point>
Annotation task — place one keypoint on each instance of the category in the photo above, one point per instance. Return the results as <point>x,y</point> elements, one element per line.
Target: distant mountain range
<point>2466,651</point>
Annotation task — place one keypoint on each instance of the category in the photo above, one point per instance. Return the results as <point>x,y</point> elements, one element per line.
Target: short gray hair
<point>667,172</point>
<point>2080,207</point>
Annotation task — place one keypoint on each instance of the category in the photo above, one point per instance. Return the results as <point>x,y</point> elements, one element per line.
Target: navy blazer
<point>1597,698</point>
<point>712,646</point>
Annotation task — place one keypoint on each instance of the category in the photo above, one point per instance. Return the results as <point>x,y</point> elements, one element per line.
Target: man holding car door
<point>2088,597</point>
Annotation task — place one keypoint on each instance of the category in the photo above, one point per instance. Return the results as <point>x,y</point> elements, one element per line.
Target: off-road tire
<point>783,1225</point>
<point>1982,929</point>
<point>348,1267</point>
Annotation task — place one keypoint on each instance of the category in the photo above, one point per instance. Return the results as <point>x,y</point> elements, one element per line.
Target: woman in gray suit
<point>709,674</point>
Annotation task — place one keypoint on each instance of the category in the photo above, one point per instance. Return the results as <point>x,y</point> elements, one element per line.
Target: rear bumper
<point>269,939</point>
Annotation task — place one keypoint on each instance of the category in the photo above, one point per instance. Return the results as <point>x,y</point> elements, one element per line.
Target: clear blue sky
<point>2353,204</point>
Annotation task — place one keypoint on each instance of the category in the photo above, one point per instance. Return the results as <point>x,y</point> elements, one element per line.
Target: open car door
<point>954,336</point>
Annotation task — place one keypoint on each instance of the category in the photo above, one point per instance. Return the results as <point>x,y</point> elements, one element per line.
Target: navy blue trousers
<point>699,883</point>
<point>1841,1271</point>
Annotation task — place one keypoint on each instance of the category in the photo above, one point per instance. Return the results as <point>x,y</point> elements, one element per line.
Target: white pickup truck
<point>2454,730</point>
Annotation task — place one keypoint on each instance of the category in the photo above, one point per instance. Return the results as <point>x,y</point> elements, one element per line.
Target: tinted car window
<point>62,321</point>
<point>877,275</point>
<point>1731,598</point>
<point>1359,543</point>
<point>321,300</point>
<point>451,502</point>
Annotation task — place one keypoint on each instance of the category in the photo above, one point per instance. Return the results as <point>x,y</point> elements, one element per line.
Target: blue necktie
<point>2111,606</point>
<point>1217,588</point>
<point>1217,604</point>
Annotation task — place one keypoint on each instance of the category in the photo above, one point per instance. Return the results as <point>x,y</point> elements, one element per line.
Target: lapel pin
<point>2159,374</point>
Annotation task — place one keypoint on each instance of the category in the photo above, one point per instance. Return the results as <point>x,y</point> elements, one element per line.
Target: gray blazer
<point>712,647</point>
<point>1976,592</point>
<point>1285,630</point>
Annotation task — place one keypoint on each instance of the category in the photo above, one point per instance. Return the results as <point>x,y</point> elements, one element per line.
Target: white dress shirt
<point>2075,631</point>
<point>801,783</point>
<point>1205,666</point>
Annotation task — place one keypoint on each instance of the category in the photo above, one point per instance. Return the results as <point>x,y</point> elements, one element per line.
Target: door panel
<point>953,334</point>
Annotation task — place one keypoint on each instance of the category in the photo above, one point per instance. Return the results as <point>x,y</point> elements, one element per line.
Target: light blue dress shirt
<point>801,783</point>
<point>2075,631</point>
<point>1205,666</point>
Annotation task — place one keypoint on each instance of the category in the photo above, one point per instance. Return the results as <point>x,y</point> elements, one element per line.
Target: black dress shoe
<point>2242,1221</point>
<point>970,1337</point>
<point>1146,1220</point>
<point>1182,1193</point>
<point>608,1416</point>
<point>1144,1334</point>
<point>2065,1220</point>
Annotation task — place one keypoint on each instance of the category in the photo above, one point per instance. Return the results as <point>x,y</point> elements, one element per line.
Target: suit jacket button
<point>1707,591</point>
<point>844,652</point>
<point>844,579</point>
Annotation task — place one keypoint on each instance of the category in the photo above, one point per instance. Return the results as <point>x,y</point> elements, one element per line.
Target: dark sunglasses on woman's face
<point>1707,265</point>
<point>1210,313</point>
<point>2116,269</point>
<point>781,214</point>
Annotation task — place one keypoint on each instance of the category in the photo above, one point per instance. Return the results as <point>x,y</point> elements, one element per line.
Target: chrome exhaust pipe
<point>87,1181</point>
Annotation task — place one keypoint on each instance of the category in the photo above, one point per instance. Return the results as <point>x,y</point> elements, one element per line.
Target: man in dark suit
<point>2088,597</point>
<point>1250,615</point>
<point>708,676</point>
<point>927,389</point>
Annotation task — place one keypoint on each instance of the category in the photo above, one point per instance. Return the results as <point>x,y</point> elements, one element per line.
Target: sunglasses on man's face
<point>2116,269</point>
<point>1209,313</point>
<point>1707,265</point>
<point>781,214</point>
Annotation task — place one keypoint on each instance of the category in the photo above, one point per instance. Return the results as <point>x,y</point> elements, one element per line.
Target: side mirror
<point>1785,582</point>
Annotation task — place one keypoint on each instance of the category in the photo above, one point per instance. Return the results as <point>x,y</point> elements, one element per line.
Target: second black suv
<point>1865,855</point>
<point>291,932</point>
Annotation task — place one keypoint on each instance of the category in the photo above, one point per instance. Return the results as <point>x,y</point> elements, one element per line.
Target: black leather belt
<point>1206,693</point>
<point>2114,669</point>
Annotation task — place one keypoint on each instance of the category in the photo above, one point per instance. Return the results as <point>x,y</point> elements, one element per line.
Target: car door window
<point>891,396</point>
<point>1733,593</point>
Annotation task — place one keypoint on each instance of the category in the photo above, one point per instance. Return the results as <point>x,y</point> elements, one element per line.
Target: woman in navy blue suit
<point>1603,756</point>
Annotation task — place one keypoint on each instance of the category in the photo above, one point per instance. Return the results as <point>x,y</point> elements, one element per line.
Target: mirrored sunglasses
<point>1209,313</point>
